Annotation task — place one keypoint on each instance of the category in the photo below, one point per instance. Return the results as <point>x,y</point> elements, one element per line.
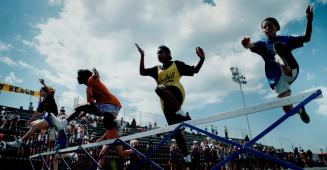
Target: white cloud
<point>322,1</point>
<point>8,61</point>
<point>310,76</point>
<point>25,65</point>
<point>322,103</point>
<point>67,99</point>
<point>102,35</point>
<point>12,79</point>
<point>28,43</point>
<point>55,2</point>
<point>4,46</point>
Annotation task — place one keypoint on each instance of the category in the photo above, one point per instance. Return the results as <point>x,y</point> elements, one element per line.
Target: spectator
<point>206,154</point>
<point>195,155</point>
<point>226,133</point>
<point>155,126</point>
<point>133,124</point>
<point>4,118</point>
<point>62,112</point>
<point>30,107</point>
<point>10,120</point>
<point>216,130</point>
<point>121,121</point>
<point>213,152</point>
<point>134,158</point>
<point>150,126</point>
<point>14,118</point>
<point>309,157</point>
<point>246,138</point>
<point>173,150</point>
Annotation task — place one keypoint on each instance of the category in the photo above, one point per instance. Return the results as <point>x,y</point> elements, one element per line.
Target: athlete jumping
<point>170,90</point>
<point>280,65</point>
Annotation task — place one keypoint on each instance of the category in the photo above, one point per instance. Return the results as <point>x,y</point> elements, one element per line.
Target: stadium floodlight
<point>241,80</point>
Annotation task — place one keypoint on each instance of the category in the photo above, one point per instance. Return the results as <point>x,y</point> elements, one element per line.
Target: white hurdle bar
<point>213,118</point>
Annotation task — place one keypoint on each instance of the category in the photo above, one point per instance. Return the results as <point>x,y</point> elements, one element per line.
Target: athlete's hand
<point>199,51</point>
<point>41,81</point>
<point>95,72</point>
<point>309,13</point>
<point>140,49</point>
<point>246,42</point>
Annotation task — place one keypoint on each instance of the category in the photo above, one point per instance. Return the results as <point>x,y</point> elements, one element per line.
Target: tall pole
<point>140,117</point>
<point>247,118</point>
<point>124,114</point>
<point>240,79</point>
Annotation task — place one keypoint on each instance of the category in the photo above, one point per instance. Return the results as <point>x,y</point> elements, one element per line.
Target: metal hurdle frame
<point>302,99</point>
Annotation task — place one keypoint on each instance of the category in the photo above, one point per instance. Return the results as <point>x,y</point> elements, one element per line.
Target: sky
<point>53,39</point>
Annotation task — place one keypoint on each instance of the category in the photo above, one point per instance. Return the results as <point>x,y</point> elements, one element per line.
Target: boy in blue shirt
<point>280,65</point>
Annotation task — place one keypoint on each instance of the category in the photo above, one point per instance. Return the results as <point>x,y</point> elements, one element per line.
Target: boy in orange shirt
<point>100,102</point>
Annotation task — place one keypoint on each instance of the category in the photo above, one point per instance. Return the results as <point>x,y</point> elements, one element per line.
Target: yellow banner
<point>15,89</point>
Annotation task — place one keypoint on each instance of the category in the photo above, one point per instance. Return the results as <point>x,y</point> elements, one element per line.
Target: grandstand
<point>19,157</point>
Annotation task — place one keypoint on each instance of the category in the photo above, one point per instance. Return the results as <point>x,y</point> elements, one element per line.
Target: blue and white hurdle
<point>302,100</point>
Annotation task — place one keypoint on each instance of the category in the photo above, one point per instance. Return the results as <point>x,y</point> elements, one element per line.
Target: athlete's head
<point>270,26</point>
<point>163,54</point>
<point>83,76</point>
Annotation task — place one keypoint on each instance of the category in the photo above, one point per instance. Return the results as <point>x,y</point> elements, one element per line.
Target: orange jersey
<point>97,92</point>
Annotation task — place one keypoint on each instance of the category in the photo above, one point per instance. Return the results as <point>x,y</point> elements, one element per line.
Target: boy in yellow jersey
<point>170,90</point>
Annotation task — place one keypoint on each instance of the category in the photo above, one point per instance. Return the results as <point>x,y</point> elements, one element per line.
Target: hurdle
<point>302,99</point>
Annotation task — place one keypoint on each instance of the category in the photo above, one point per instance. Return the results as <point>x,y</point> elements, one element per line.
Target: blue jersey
<point>265,49</point>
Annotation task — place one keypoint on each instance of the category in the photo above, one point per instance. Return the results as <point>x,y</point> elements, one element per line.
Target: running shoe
<point>14,144</point>
<point>304,116</point>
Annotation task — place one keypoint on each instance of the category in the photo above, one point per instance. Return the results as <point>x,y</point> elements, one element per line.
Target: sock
<point>20,141</point>
<point>300,111</point>
<point>181,112</point>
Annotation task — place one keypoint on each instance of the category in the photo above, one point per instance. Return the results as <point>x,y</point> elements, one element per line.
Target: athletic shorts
<point>46,117</point>
<point>108,108</point>
<point>170,115</point>
<point>284,81</point>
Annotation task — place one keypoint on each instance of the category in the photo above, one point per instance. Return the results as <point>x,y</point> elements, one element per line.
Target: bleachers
<point>161,157</point>
<point>19,157</point>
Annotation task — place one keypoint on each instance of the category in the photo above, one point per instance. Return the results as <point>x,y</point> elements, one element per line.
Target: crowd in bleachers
<point>205,152</point>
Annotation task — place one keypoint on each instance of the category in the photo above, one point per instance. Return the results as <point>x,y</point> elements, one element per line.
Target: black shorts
<point>170,115</point>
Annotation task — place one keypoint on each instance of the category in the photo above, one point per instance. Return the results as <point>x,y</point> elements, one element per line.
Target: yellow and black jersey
<point>170,74</point>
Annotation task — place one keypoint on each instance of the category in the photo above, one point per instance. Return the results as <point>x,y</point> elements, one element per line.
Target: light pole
<point>240,79</point>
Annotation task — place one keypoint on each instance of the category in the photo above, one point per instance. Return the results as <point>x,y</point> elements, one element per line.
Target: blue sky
<point>52,39</point>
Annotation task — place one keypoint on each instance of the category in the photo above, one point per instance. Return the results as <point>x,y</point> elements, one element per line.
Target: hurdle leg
<point>241,150</point>
<point>163,141</point>
<point>71,158</point>
<point>32,163</point>
<point>141,155</point>
<point>63,160</point>
<point>271,127</point>
<point>90,156</point>
<point>169,136</point>
<point>45,162</point>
